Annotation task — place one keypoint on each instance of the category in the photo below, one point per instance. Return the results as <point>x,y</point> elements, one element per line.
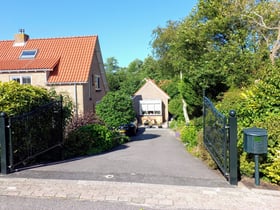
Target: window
<point>151,107</point>
<point>16,78</point>
<point>22,79</point>
<point>97,82</point>
<point>26,80</point>
<point>28,54</point>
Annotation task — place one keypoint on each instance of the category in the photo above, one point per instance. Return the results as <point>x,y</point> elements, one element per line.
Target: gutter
<point>23,71</point>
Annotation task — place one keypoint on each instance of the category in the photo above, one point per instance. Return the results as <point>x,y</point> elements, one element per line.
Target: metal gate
<point>33,134</point>
<point>220,139</point>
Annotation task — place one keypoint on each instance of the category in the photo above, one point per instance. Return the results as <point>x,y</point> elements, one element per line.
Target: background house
<point>151,104</point>
<point>72,65</point>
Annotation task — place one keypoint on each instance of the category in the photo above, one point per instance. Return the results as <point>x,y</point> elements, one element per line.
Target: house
<point>71,65</point>
<point>151,104</point>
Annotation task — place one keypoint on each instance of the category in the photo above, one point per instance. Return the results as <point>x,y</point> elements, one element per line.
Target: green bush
<point>115,109</point>
<point>41,128</point>
<point>272,171</point>
<point>175,108</point>
<point>90,139</point>
<point>177,125</point>
<point>231,100</point>
<point>258,106</point>
<point>81,120</point>
<point>270,167</point>
<point>17,99</point>
<point>189,135</point>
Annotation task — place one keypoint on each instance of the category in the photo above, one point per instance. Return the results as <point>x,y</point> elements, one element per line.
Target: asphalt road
<point>153,156</point>
<point>151,172</point>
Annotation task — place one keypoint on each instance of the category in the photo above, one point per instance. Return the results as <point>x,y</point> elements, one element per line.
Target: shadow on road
<point>39,165</point>
<point>141,136</point>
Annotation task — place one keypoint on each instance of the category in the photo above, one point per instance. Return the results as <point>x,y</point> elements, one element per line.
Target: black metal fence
<point>220,139</point>
<point>26,137</point>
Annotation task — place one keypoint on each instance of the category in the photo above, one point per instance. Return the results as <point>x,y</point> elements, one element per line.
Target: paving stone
<point>138,200</point>
<point>175,197</point>
<point>152,201</point>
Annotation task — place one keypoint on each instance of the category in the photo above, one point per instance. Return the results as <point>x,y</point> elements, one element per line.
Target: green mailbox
<point>255,140</point>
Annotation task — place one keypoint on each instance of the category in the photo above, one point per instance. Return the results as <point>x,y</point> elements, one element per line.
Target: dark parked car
<point>129,129</point>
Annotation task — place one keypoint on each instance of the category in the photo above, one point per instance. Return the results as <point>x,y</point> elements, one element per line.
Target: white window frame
<point>28,56</point>
<point>97,82</point>
<point>150,107</point>
<point>21,79</point>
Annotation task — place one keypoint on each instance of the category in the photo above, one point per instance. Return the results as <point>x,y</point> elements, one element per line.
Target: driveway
<point>153,156</point>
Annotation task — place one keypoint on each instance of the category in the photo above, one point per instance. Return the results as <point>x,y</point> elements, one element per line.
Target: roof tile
<point>72,55</point>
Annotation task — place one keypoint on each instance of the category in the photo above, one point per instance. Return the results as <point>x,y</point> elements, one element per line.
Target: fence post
<point>233,148</point>
<point>4,137</point>
<point>61,128</point>
<point>203,113</point>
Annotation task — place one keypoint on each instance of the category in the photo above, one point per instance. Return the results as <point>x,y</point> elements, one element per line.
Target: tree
<point>264,17</point>
<point>216,46</point>
<point>111,65</point>
<point>151,69</point>
<point>135,66</point>
<point>163,49</point>
<point>133,78</point>
<point>127,79</point>
<point>115,109</point>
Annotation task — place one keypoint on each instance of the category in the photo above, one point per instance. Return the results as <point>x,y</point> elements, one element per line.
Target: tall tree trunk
<point>185,111</point>
<point>275,47</point>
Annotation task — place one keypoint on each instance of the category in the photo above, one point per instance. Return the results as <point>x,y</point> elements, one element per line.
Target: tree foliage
<point>230,49</point>
<point>127,79</point>
<point>219,45</point>
<point>258,105</point>
<point>115,109</point>
<point>17,99</point>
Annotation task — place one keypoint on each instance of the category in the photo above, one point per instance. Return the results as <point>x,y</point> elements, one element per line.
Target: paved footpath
<point>139,195</point>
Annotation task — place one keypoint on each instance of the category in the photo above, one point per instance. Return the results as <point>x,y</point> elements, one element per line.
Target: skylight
<point>28,54</point>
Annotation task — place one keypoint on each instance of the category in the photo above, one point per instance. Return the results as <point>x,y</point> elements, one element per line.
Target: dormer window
<point>28,54</point>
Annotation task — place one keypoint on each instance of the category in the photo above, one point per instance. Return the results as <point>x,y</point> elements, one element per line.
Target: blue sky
<point>124,27</point>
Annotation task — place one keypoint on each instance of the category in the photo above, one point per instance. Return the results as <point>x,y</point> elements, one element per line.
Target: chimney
<point>20,38</point>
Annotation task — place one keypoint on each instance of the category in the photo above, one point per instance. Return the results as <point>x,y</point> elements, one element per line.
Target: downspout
<point>76,99</point>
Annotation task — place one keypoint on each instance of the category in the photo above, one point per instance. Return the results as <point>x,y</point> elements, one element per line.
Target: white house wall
<point>37,78</point>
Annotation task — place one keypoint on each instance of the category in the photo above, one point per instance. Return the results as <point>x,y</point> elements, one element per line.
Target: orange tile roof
<point>28,64</point>
<point>71,55</point>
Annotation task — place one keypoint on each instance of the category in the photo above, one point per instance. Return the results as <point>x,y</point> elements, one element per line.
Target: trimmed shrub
<point>90,139</point>
<point>17,99</point>
<point>115,109</point>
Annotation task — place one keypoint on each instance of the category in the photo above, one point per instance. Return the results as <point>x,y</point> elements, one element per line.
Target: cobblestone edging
<point>151,195</point>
